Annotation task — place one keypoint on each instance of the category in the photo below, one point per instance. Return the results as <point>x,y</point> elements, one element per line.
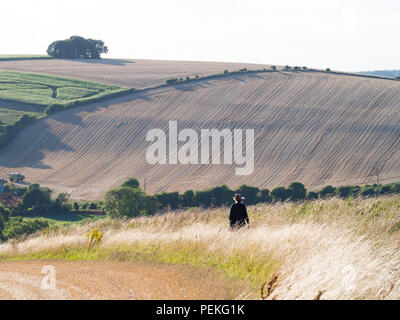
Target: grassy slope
<point>9,116</point>
<point>345,248</point>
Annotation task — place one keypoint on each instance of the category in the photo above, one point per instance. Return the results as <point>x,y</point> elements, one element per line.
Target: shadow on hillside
<point>20,106</point>
<point>72,115</point>
<point>186,87</point>
<point>192,86</point>
<point>113,62</point>
<point>31,155</point>
<point>72,118</point>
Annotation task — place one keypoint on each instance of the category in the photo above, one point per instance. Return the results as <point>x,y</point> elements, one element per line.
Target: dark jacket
<point>238,215</point>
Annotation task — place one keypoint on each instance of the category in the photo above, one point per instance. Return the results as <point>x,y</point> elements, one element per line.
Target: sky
<point>348,35</point>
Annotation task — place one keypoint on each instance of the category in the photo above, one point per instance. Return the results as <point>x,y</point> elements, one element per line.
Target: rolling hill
<point>385,73</point>
<point>313,127</point>
<point>137,73</point>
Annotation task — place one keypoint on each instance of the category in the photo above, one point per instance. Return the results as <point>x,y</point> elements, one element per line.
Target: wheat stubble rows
<point>312,127</point>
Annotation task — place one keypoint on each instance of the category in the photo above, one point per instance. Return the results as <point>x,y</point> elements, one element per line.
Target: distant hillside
<point>136,73</point>
<point>385,73</point>
<point>313,127</point>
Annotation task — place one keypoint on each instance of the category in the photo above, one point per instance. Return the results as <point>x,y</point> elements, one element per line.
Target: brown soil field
<point>313,127</point>
<point>83,280</point>
<point>126,73</point>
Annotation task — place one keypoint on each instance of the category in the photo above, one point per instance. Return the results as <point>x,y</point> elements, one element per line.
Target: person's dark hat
<point>238,197</point>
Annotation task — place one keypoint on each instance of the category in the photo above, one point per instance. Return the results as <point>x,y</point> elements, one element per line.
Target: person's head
<point>238,198</point>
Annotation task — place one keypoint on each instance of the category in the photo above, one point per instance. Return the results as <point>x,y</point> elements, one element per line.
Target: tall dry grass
<point>329,249</point>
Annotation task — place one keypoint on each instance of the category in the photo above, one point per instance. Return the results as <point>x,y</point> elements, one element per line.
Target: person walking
<point>238,217</point>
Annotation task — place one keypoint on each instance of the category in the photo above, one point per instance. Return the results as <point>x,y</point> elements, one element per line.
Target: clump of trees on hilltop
<point>77,48</point>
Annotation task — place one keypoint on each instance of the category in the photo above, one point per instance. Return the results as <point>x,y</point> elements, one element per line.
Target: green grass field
<point>43,90</point>
<point>9,116</point>
<point>65,219</point>
<point>27,93</point>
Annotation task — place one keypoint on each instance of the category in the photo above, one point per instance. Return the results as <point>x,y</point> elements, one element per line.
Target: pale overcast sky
<point>347,35</point>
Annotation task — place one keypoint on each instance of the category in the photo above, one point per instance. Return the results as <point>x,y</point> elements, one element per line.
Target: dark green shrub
<point>396,188</point>
<point>187,199</point>
<point>264,196</point>
<point>15,190</point>
<point>311,195</point>
<point>279,194</point>
<point>296,191</point>
<point>250,193</point>
<point>172,81</point>
<point>168,200</point>
<point>220,195</point>
<point>203,198</point>
<point>35,196</point>
<point>53,108</point>
<point>355,191</point>
<point>126,202</point>
<point>76,206</point>
<point>151,204</point>
<point>386,189</point>
<point>327,192</point>
<point>93,206</point>
<point>16,227</point>
<point>344,191</point>
<point>369,191</point>
<point>131,183</point>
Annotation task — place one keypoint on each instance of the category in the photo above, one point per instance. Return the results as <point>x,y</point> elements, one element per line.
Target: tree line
<point>130,200</point>
<point>14,227</point>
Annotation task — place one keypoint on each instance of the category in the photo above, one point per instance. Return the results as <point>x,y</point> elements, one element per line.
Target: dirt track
<point>112,280</point>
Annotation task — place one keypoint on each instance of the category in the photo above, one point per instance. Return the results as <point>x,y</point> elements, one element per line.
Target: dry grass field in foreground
<point>335,249</point>
<point>312,127</point>
<point>136,73</point>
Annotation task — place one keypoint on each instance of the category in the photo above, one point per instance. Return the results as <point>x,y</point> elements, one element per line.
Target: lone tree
<point>131,183</point>
<point>77,48</point>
